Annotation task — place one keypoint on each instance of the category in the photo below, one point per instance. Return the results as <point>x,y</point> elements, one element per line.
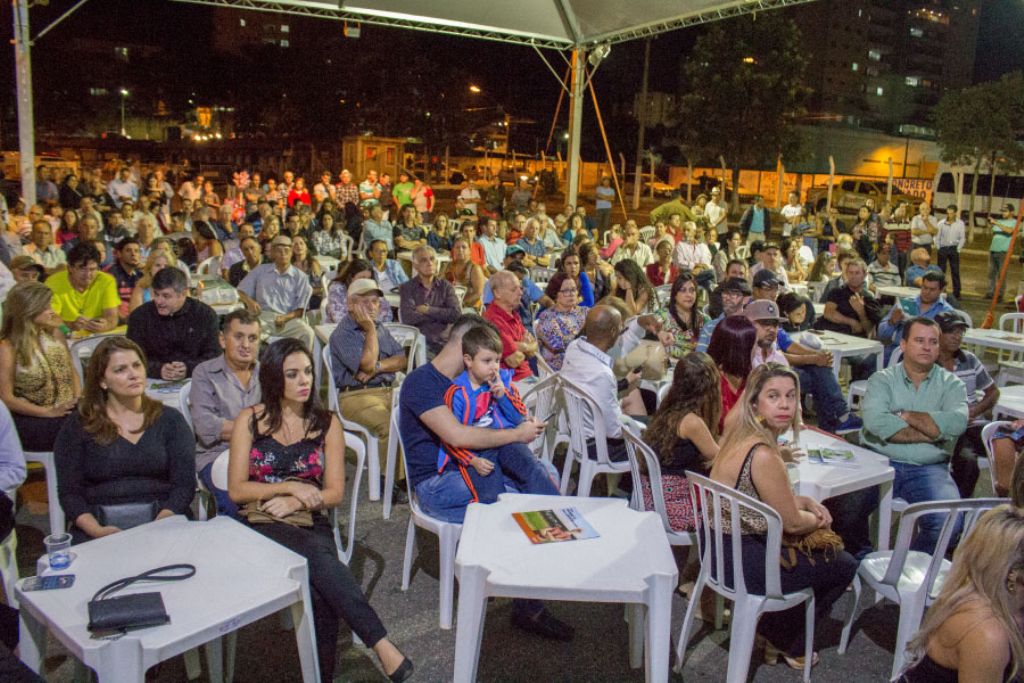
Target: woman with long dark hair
<point>286,468</point>
<point>570,265</point>
<point>731,347</point>
<point>598,271</point>
<point>680,317</point>
<point>123,459</point>
<point>633,287</point>
<point>684,435</point>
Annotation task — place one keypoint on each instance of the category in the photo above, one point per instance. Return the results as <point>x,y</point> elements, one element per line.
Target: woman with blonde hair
<point>38,383</point>
<point>159,258</point>
<point>462,271</point>
<point>749,460</point>
<point>972,632</point>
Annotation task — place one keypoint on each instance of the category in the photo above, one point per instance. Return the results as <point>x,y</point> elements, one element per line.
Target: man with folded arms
<point>428,302</point>
<point>278,293</point>
<point>176,332</point>
<point>914,413</point>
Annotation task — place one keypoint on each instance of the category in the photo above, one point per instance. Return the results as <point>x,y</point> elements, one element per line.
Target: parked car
<point>849,195</point>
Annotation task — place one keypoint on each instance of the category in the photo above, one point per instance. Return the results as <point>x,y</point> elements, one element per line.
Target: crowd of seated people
<point>731,310</point>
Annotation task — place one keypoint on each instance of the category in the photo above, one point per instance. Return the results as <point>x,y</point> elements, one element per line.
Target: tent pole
<point>576,75</point>
<point>26,126</point>
<point>608,151</point>
<point>558,110</point>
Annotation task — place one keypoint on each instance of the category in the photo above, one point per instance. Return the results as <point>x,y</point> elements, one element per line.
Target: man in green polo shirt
<point>914,413</point>
<point>1002,228</point>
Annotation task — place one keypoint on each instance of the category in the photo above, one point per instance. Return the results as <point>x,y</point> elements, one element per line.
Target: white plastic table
<point>241,576</point>
<point>1010,403</point>
<point>898,292</point>
<point>994,339</point>
<point>631,562</point>
<point>167,396</point>
<point>846,345</point>
<point>824,481</point>
<point>327,262</point>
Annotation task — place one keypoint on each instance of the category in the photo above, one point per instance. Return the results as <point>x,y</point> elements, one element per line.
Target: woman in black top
<point>972,632</point>
<point>121,448</point>
<point>287,463</point>
<point>683,433</point>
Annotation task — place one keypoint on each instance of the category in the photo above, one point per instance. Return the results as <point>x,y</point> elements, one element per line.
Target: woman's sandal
<point>772,654</point>
<point>403,672</point>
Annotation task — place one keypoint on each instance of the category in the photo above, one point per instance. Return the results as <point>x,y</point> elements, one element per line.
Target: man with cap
<point>814,367</point>
<point>771,260</point>
<point>735,291</point>
<point>982,394</point>
<point>428,302</point>
<point>364,360</point>
<point>766,318</point>
<point>24,269</point>
<point>278,293</point>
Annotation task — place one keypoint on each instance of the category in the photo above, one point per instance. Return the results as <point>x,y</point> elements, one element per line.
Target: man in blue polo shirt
<point>928,304</point>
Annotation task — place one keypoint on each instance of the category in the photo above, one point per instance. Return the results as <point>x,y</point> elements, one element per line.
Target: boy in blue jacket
<point>482,396</point>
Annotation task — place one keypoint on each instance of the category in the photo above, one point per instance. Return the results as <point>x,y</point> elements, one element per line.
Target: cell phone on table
<point>48,583</point>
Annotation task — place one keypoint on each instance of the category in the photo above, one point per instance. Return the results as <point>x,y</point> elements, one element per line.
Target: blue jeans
<point>921,483</point>
<point>821,382</point>
<point>225,506</point>
<point>446,495</point>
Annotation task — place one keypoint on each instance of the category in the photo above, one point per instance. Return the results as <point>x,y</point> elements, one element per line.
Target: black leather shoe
<point>403,672</point>
<point>398,494</point>
<point>543,624</point>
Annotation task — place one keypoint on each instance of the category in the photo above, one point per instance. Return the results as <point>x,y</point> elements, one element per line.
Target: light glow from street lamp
<point>474,88</point>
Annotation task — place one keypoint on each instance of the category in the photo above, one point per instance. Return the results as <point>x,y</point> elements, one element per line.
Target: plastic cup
<point>58,550</point>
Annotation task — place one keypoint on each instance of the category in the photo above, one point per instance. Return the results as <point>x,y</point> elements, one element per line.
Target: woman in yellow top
<point>38,383</point>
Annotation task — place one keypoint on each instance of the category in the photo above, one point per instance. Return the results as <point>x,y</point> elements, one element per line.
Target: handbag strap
<point>158,574</point>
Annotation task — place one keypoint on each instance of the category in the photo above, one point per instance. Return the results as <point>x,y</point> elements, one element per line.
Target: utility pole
<point>26,126</point>
<point>641,119</point>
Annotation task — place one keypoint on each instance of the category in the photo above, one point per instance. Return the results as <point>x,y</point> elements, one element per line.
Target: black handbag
<point>127,515</point>
<point>139,610</point>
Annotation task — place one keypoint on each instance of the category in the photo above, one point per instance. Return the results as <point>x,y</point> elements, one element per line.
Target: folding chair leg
<point>911,612</point>
<point>410,540</point>
<point>808,638</point>
<point>686,631</point>
<point>741,641</point>
<point>851,617</point>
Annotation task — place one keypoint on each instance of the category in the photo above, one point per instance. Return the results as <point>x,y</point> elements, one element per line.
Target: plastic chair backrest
<point>543,401</point>
<point>210,266</point>
<point>395,432</point>
<point>637,450</point>
<point>346,246</point>
<point>544,370</point>
<point>412,339</point>
<point>184,403</point>
<point>663,292</point>
<point>460,292</point>
<point>578,405</point>
<point>647,232</point>
<point>541,274</point>
<point>988,433</point>
<point>332,389</point>
<point>219,471</point>
<point>708,498</point>
<point>81,350</point>
<point>950,510</point>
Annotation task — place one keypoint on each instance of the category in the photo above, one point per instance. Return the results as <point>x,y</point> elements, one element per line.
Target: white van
<point>1007,188</point>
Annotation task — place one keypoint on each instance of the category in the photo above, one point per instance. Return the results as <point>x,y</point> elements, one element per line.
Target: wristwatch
<point>899,414</point>
<point>376,366</point>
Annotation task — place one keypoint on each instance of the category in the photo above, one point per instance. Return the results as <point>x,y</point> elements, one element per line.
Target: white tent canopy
<point>572,25</point>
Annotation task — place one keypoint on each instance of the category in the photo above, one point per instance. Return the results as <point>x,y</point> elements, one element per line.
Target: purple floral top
<point>271,462</point>
<point>555,330</point>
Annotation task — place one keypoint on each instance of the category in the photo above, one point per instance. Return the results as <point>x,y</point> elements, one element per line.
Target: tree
<point>744,88</point>
<point>983,122</point>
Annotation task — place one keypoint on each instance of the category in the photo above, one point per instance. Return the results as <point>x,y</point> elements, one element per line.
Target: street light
<point>474,89</point>
<point>124,96</point>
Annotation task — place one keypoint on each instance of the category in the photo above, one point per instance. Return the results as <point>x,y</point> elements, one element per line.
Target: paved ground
<point>598,653</point>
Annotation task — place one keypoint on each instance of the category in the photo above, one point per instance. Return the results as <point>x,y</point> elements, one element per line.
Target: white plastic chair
<point>541,274</point>
<point>9,566</point>
<point>860,387</point>
<point>411,338</point>
<point>708,498</point>
<point>81,350</point>
<point>460,292</point>
<point>357,430</point>
<point>58,524</point>
<point>910,578</point>
<point>647,232</point>
<point>578,404</point>
<point>447,533</point>
<point>544,401</point>
<point>663,292</point>
<point>1011,365</point>
<point>184,404</point>
<point>988,433</point>
<point>210,266</point>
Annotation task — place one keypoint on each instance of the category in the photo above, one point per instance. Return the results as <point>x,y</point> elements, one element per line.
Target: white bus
<point>1006,188</point>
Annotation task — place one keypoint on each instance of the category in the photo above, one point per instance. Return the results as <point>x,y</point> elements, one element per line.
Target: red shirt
<point>729,399</point>
<point>476,255</point>
<point>510,327</point>
<point>654,274</point>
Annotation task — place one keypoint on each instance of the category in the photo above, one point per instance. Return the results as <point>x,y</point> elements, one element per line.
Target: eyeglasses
<point>571,290</point>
